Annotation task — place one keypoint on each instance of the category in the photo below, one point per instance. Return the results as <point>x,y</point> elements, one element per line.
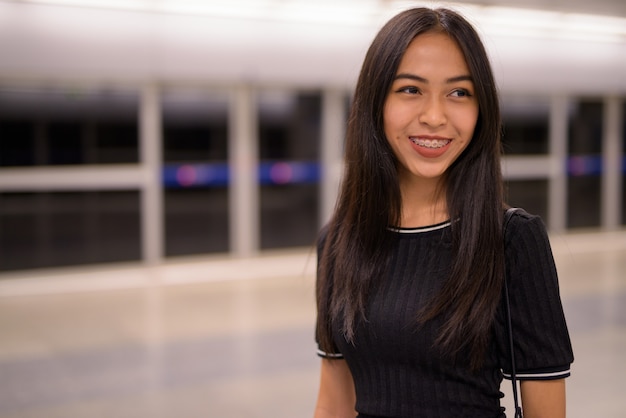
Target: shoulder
<point>521,223</point>
<point>527,248</point>
<point>526,238</point>
<point>520,216</point>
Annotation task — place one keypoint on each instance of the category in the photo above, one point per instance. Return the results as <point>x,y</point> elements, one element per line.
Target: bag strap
<point>518,410</point>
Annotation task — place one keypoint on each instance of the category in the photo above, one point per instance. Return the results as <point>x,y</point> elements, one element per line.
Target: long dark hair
<point>357,241</point>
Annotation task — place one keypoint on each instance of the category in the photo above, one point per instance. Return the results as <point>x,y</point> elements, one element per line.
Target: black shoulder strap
<point>518,409</point>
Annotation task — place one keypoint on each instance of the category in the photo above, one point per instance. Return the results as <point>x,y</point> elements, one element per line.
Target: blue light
<point>196,175</point>
<point>218,175</point>
<point>584,165</point>
<point>308,172</point>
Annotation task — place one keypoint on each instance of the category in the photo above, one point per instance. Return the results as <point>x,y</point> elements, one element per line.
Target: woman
<point>411,266</point>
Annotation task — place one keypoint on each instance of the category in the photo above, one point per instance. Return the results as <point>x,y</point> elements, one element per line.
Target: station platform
<point>224,337</point>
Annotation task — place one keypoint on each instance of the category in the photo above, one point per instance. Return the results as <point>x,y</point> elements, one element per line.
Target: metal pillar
<point>333,133</point>
<point>612,163</point>
<point>243,156</point>
<point>151,162</point>
<point>557,198</point>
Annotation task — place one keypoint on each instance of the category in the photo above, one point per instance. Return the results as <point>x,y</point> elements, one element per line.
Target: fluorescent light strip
<point>545,24</point>
<point>492,20</point>
<point>339,12</point>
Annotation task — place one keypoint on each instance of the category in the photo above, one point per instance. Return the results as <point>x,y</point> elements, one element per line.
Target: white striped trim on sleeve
<point>326,355</point>
<point>539,375</point>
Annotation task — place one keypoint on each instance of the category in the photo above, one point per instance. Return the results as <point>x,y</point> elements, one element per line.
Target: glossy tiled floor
<point>220,338</point>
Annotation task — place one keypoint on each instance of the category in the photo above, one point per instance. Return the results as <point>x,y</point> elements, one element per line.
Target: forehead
<point>435,53</point>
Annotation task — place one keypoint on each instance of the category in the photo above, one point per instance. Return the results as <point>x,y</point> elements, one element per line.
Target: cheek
<point>466,122</point>
<point>394,119</point>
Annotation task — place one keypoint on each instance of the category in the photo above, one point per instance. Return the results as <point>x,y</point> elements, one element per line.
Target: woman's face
<point>430,111</point>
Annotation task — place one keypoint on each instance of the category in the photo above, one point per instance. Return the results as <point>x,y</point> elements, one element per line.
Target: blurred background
<point>165,166</point>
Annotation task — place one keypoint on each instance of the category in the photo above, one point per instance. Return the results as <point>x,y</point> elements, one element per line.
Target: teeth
<point>430,143</point>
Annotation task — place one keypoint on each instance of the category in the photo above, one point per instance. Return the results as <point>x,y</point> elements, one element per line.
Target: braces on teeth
<point>430,143</point>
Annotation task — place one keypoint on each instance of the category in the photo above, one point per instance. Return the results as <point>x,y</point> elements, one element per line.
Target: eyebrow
<point>425,81</point>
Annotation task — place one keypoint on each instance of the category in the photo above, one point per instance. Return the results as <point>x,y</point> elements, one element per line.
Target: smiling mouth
<point>430,143</point>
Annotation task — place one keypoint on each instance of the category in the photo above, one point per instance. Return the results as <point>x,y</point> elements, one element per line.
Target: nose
<point>433,113</point>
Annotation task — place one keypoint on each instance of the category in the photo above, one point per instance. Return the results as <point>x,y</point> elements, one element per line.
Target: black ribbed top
<point>396,370</point>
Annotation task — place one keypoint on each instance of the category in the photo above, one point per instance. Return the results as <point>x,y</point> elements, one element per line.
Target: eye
<point>461,93</point>
<point>409,90</point>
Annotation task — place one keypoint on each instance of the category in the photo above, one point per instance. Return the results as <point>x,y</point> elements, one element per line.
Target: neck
<point>423,203</point>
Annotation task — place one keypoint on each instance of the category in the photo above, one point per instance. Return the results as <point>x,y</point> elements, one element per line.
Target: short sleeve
<point>543,349</point>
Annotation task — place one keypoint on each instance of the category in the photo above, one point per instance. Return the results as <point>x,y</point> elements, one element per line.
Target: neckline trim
<point>421,229</point>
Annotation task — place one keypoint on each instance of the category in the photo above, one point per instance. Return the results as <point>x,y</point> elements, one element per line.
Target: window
<point>525,125</point>
<point>195,143</point>
<point>289,133</point>
<point>53,229</point>
<point>585,164</point>
<point>61,126</point>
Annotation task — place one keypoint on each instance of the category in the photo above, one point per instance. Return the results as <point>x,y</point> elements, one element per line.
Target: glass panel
<point>194,126</point>
<point>532,195</point>
<point>43,229</point>
<point>196,221</point>
<point>17,142</point>
<point>195,173</point>
<point>65,143</point>
<point>585,164</point>
<point>525,124</point>
<point>19,231</point>
<point>116,142</point>
<point>49,126</point>
<point>289,215</point>
<point>584,197</point>
<point>289,134</point>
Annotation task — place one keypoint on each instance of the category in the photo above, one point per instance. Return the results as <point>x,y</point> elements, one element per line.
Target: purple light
<point>281,173</point>
<point>186,175</point>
